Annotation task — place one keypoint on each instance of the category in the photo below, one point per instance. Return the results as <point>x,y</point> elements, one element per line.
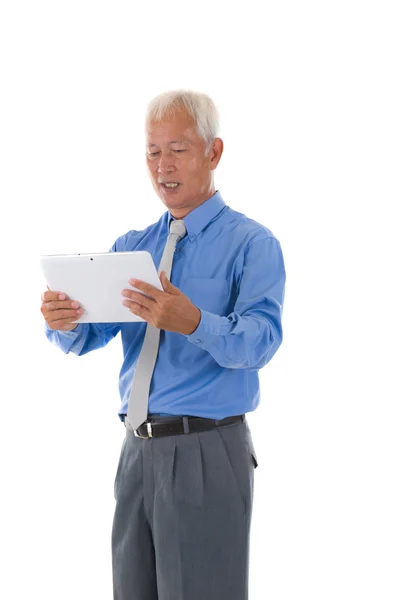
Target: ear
<point>216,153</point>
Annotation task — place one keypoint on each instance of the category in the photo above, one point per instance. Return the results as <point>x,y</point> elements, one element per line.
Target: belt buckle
<point>144,437</point>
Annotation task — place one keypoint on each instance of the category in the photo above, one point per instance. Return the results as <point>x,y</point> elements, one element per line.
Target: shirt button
<point>198,341</point>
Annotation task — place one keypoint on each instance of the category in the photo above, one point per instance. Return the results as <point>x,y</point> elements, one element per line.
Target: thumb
<point>165,282</point>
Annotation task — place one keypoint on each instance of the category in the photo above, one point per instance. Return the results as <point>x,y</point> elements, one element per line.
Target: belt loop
<point>185,424</point>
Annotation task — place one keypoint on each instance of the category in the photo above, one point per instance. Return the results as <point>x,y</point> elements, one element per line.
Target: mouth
<point>170,186</point>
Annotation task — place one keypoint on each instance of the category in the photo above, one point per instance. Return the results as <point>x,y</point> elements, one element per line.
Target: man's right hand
<point>59,311</point>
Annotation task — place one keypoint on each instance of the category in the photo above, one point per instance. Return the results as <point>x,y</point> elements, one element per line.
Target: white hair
<point>198,105</point>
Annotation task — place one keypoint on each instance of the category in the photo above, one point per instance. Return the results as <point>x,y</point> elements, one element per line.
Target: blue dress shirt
<point>232,269</point>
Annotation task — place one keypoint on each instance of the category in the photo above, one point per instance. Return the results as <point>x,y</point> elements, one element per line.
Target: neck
<point>180,213</point>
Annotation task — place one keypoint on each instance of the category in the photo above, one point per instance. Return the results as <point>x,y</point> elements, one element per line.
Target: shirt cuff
<point>63,339</point>
<point>67,333</point>
<point>209,326</point>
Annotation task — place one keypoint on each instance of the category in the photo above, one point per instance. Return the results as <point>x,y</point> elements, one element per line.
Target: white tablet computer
<point>97,280</point>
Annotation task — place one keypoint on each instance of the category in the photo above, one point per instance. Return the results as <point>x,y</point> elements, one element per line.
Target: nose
<point>166,163</point>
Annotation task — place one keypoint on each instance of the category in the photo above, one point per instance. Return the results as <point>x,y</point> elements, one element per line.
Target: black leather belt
<point>180,425</point>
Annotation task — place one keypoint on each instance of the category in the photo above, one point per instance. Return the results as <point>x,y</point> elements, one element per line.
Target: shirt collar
<point>201,216</point>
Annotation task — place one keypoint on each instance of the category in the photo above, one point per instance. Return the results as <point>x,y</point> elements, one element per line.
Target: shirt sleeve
<point>84,338</point>
<point>250,336</point>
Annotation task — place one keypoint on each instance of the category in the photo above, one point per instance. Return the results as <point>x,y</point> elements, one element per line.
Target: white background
<point>308,94</point>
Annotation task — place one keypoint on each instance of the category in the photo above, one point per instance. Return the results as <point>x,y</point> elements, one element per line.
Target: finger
<point>52,295</point>
<point>147,288</point>
<point>62,304</point>
<point>138,297</point>
<point>132,305</point>
<point>67,314</point>
<point>62,324</point>
<point>140,311</point>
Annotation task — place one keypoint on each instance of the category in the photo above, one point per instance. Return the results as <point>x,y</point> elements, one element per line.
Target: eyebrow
<point>173,142</point>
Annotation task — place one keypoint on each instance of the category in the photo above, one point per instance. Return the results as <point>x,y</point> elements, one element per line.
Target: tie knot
<point>178,227</point>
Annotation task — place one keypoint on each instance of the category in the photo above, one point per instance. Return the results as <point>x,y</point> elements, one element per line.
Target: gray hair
<point>198,105</point>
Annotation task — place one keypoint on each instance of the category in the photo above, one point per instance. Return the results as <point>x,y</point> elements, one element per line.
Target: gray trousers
<point>182,518</point>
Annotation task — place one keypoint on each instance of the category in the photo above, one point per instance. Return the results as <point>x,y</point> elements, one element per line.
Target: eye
<point>179,150</point>
<point>153,153</point>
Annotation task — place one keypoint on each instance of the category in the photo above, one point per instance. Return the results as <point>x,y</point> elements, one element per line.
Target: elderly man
<point>184,482</point>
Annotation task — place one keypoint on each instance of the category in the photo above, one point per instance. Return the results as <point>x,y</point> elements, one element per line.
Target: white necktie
<point>139,397</point>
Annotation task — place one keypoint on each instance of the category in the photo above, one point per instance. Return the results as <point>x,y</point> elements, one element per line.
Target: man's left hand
<point>169,309</point>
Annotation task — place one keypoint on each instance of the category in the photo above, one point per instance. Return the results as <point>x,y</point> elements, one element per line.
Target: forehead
<point>179,127</point>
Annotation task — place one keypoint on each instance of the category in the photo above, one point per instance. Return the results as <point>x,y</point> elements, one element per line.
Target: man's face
<point>175,153</point>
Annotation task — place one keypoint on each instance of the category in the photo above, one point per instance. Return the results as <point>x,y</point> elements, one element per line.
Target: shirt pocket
<point>211,294</point>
